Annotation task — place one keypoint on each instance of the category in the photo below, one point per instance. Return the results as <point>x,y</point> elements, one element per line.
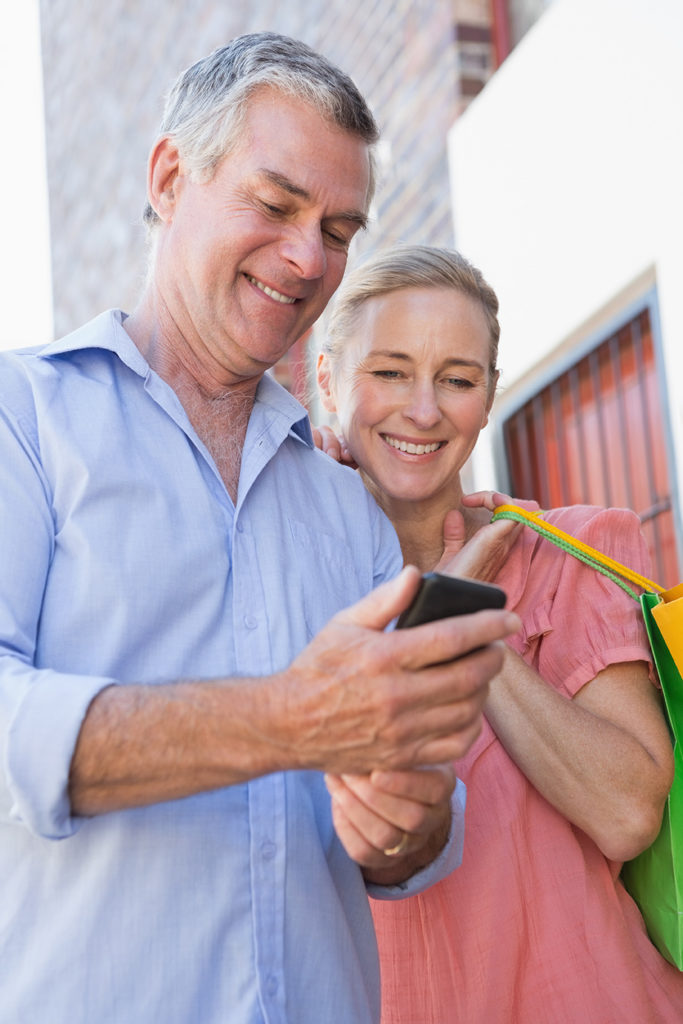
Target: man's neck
<point>221,423</point>
<point>218,413</point>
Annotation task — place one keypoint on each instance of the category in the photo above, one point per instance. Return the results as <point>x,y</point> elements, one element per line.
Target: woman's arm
<point>603,759</point>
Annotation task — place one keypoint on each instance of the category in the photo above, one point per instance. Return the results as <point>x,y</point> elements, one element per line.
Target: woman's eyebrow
<point>455,361</point>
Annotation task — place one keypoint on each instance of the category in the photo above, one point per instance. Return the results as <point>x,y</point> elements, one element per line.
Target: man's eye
<point>272,208</point>
<point>387,374</point>
<point>340,240</point>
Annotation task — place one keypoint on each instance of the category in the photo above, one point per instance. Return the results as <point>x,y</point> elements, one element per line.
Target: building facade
<point>565,191</point>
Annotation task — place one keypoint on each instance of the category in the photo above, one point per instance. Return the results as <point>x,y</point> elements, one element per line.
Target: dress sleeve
<point>592,622</point>
<point>41,710</point>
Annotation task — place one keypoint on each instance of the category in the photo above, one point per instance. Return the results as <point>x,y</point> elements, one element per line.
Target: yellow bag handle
<point>534,520</point>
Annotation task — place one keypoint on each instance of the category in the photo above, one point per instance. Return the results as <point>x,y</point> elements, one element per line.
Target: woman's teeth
<point>412,449</point>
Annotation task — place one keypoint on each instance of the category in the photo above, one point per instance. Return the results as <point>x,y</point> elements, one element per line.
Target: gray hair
<point>408,266</point>
<point>206,108</point>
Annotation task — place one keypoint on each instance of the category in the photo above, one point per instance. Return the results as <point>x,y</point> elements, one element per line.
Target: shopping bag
<point>655,877</point>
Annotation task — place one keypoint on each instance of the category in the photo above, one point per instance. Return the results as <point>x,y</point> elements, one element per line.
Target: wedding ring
<point>395,851</point>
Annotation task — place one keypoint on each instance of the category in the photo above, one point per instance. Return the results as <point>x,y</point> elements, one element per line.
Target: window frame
<point>558,362</point>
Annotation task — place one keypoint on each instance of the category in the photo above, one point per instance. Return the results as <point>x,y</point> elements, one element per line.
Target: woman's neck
<point>419,524</point>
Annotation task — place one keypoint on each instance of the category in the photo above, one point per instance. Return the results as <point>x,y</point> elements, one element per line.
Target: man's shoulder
<point>16,389</point>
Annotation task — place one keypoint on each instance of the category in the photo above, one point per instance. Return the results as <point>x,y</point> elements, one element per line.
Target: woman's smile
<point>412,447</point>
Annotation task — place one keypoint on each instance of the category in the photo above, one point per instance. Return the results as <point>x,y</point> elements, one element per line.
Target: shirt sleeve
<point>448,860</point>
<point>591,622</point>
<point>41,710</point>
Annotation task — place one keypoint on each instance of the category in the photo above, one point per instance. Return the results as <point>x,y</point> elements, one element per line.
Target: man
<point>207,764</point>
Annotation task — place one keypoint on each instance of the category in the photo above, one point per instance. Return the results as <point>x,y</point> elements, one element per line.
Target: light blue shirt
<point>123,559</point>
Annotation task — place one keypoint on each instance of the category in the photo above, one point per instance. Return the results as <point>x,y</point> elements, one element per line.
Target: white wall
<point>567,185</point>
<point>25,279</point>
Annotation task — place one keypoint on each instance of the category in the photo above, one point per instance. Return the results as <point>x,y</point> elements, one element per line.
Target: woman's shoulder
<point>535,562</point>
<point>614,531</point>
<point>574,517</point>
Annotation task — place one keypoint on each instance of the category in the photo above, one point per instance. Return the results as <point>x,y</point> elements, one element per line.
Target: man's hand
<point>359,699</point>
<point>356,699</point>
<point>393,823</point>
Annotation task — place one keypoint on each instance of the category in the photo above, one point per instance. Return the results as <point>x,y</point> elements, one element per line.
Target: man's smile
<point>271,292</point>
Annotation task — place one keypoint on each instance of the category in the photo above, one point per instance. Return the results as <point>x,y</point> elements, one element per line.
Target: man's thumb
<point>385,602</point>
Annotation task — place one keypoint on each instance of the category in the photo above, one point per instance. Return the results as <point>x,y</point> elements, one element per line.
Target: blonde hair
<point>408,266</point>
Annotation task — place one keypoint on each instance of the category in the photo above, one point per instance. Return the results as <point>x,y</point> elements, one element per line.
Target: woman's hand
<point>333,445</point>
<point>485,553</point>
<point>486,499</point>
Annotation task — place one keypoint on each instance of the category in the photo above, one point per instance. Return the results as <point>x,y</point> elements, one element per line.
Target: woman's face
<point>412,390</point>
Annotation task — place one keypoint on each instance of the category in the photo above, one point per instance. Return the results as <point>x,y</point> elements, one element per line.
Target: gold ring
<point>395,851</point>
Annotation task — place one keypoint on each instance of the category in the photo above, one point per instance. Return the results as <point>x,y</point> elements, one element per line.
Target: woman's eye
<point>459,382</point>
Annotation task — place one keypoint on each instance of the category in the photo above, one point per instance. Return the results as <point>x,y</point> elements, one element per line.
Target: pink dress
<point>535,926</point>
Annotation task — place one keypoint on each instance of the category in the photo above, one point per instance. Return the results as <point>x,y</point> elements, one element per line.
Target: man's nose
<point>304,249</point>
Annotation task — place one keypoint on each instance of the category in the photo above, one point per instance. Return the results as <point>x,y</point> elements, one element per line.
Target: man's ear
<point>325,384</point>
<point>162,173</point>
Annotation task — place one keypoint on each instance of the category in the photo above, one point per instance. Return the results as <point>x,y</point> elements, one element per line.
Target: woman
<point>570,773</point>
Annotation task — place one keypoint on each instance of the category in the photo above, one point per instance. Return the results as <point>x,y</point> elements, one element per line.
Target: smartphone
<point>440,596</point>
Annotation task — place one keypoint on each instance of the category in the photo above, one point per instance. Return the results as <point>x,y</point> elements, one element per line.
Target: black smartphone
<point>440,596</point>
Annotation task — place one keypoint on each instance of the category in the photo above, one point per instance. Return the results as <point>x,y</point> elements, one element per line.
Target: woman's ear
<point>162,172</point>
<point>325,383</point>
<point>491,396</point>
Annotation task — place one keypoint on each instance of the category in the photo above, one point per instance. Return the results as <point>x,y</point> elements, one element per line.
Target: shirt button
<point>271,985</point>
<point>250,622</point>
<point>268,849</point>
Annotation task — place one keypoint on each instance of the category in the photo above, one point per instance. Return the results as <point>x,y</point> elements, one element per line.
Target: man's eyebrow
<point>355,216</point>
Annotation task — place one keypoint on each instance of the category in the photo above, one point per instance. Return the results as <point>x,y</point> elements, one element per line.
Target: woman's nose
<point>423,408</point>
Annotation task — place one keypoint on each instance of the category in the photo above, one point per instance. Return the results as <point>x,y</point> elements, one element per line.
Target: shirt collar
<point>272,394</point>
<point>106,331</point>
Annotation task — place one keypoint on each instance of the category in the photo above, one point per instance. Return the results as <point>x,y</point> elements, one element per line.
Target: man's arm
<point>355,700</point>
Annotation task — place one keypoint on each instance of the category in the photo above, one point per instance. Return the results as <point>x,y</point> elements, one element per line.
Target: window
<point>596,436</point>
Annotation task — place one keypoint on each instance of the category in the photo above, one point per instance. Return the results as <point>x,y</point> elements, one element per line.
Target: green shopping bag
<point>655,877</point>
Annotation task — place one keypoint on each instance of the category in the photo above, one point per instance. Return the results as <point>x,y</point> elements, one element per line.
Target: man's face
<point>249,260</point>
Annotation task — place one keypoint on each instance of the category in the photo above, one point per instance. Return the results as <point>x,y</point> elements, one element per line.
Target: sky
<point>25,286</point>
